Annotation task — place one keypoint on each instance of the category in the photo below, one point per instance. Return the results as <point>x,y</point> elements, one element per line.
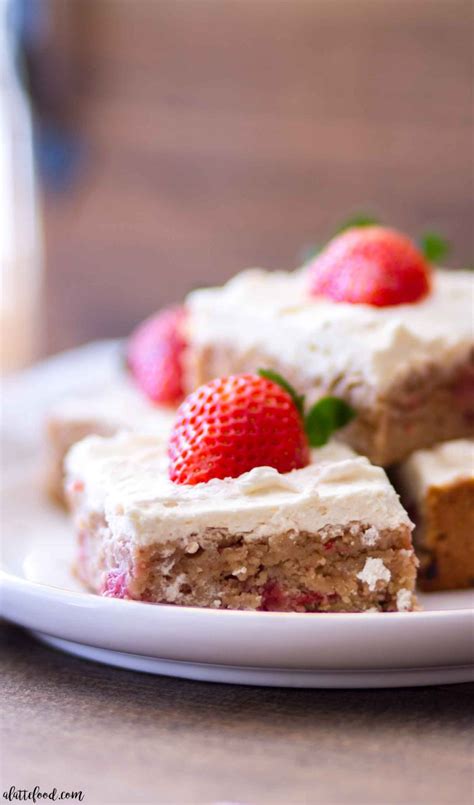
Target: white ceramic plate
<point>291,649</point>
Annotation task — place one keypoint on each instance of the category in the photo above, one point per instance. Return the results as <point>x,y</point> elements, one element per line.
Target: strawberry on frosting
<point>371,265</point>
<point>155,356</point>
<point>234,424</point>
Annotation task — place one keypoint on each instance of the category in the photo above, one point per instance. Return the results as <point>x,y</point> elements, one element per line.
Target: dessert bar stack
<point>266,489</point>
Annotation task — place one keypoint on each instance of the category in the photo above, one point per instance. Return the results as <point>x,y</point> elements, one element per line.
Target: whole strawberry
<point>371,265</point>
<point>233,424</point>
<point>155,355</point>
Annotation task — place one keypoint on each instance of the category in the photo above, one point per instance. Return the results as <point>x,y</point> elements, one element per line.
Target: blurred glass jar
<point>20,228</point>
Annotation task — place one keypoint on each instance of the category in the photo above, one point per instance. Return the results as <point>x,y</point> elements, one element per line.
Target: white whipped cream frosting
<point>274,314</point>
<point>126,478</point>
<point>442,465</point>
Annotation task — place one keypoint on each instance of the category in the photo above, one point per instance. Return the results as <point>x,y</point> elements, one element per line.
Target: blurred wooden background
<point>218,135</point>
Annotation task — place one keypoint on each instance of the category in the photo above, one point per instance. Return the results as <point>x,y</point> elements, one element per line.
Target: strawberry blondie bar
<point>401,352</point>
<point>329,537</point>
<point>141,396</point>
<point>437,487</point>
<point>120,406</point>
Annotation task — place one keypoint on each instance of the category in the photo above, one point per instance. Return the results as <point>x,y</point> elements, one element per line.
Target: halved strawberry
<point>155,355</point>
<point>371,265</point>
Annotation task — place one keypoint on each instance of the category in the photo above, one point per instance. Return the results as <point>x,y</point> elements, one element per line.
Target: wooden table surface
<point>123,737</point>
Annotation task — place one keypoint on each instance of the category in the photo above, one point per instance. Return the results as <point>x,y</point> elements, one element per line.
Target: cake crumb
<point>193,547</point>
<point>404,600</point>
<point>173,590</point>
<point>167,566</point>
<point>370,537</point>
<point>241,571</point>
<point>373,571</point>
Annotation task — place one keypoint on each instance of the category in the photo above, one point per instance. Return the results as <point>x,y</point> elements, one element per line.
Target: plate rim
<point>260,640</point>
<point>328,678</point>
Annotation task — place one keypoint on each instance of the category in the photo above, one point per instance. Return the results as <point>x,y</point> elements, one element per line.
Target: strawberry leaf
<point>357,221</point>
<point>434,247</point>
<point>326,416</point>
<point>298,399</point>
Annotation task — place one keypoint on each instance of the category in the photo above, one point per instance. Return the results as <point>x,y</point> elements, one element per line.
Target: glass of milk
<point>20,231</point>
